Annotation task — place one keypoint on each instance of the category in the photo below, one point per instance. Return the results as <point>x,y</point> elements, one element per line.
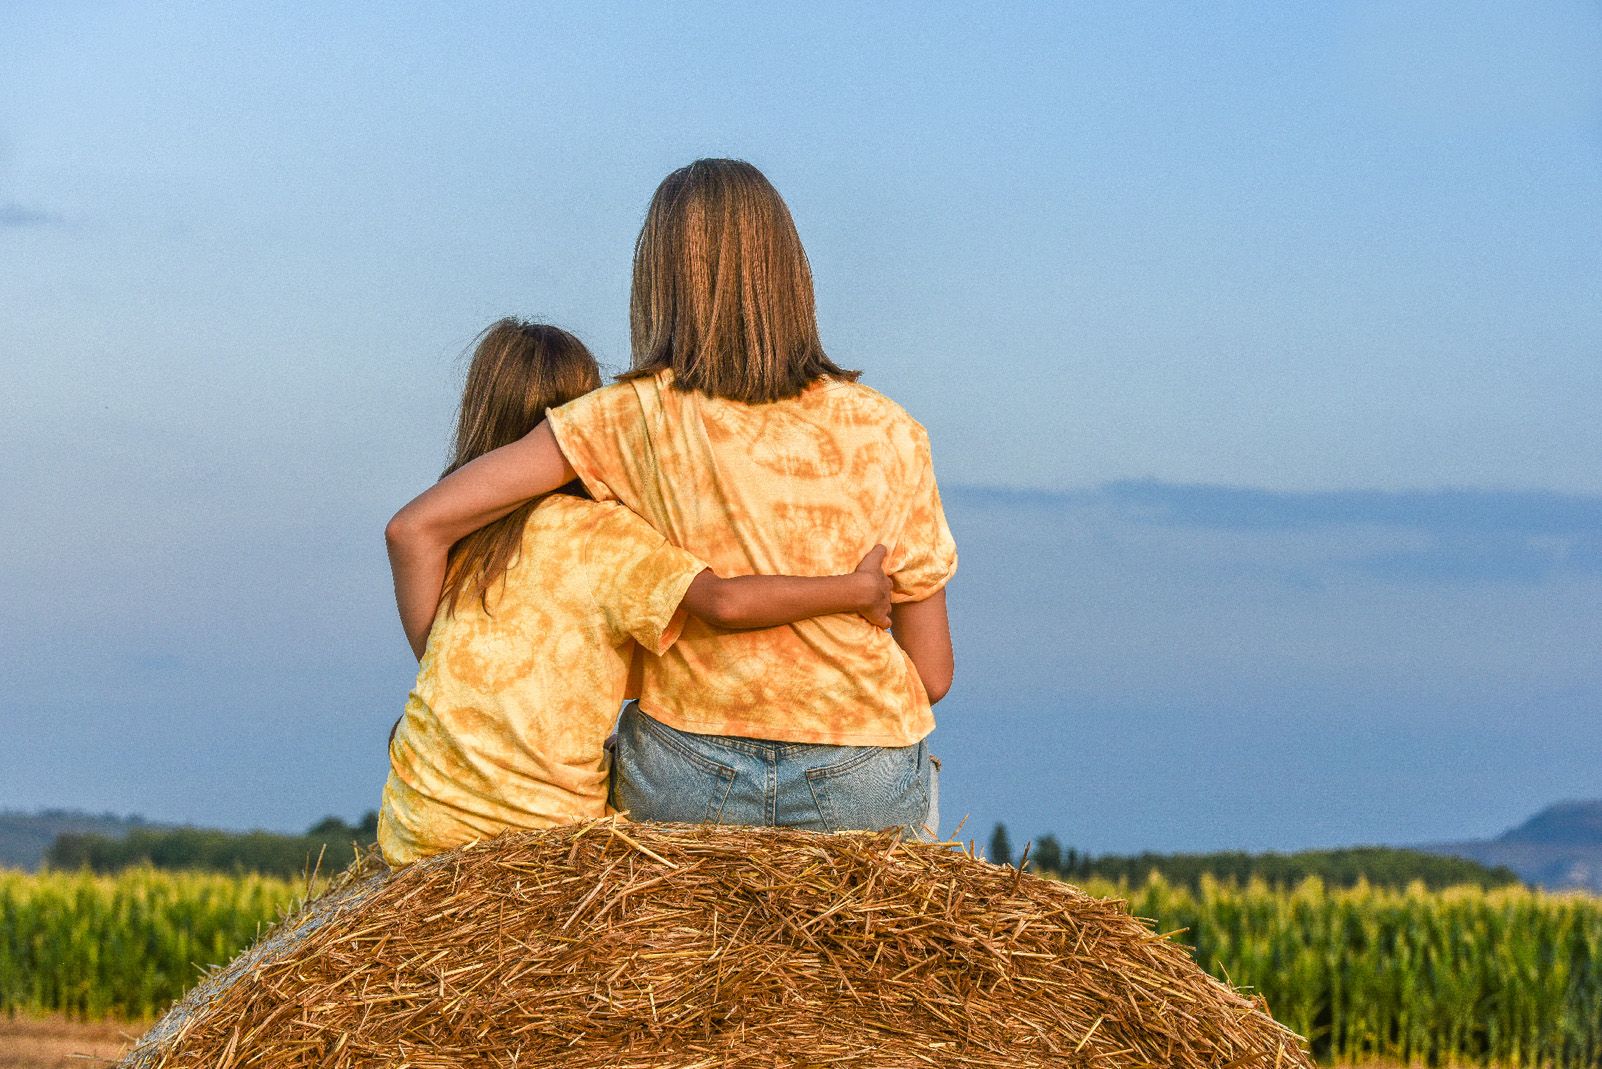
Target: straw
<point>632,945</point>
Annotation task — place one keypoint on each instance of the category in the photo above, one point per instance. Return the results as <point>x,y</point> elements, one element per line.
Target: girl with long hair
<point>737,437</point>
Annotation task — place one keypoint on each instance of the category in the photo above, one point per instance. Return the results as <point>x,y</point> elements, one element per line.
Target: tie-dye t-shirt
<point>804,486</point>
<point>512,706</point>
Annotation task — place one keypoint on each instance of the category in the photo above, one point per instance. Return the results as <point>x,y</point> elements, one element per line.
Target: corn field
<point>126,945</point>
<point>1506,977</point>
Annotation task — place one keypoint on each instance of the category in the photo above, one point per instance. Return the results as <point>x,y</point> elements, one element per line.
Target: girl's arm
<point>421,534</point>
<point>923,630</point>
<point>750,601</point>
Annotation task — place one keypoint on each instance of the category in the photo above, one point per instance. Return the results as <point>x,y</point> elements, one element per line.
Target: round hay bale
<point>675,947</point>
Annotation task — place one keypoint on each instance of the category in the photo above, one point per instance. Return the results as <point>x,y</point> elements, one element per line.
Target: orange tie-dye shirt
<point>505,726</point>
<point>804,486</point>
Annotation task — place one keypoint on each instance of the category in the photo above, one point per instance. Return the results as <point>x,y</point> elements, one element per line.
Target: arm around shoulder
<point>421,534</point>
<point>484,490</point>
<point>752,601</point>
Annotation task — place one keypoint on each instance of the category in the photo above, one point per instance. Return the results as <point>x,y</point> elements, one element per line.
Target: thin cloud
<point>1241,508</point>
<point>15,216</point>
<point>1446,511</point>
<point>1446,535</point>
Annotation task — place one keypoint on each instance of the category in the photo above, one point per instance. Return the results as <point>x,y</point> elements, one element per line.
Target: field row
<point>1510,977</point>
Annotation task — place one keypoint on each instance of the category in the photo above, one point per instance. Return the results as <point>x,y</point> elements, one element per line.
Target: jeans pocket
<point>657,775</point>
<point>876,787</point>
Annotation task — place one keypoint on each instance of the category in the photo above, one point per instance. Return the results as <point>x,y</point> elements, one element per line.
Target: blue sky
<point>1260,345</point>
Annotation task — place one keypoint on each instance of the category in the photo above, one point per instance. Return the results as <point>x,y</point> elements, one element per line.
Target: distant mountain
<point>1560,848</point>
<point>1563,824</point>
<point>24,837</point>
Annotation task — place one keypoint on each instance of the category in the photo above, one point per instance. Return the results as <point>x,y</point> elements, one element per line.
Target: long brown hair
<point>722,289</point>
<point>519,369</point>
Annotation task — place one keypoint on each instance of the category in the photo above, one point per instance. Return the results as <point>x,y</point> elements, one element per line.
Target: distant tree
<point>329,826</point>
<point>1047,855</point>
<point>71,850</point>
<point>335,829</point>
<point>1000,846</point>
<point>327,846</point>
<point>1070,862</point>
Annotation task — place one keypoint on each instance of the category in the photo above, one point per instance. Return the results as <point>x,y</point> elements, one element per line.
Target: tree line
<point>1381,866</point>
<point>332,840</point>
<point>213,850</point>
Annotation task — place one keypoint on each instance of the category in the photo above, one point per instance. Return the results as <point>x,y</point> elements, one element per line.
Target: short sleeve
<point>601,435</point>
<point>638,579</point>
<point>923,556</point>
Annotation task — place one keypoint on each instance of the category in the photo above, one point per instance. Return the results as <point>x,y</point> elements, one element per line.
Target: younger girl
<point>528,658</point>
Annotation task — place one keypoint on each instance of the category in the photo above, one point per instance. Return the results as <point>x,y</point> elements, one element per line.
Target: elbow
<point>715,601</point>
<point>404,529</point>
<point>936,677</point>
<point>398,531</point>
<point>724,608</point>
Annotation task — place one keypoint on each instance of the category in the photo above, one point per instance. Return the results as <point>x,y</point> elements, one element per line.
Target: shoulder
<point>568,514</point>
<point>609,526</point>
<point>854,403</point>
<point>616,398</point>
<point>619,411</point>
<point>588,534</point>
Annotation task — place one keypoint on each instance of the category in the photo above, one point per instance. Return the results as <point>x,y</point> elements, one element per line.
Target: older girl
<point>740,440</point>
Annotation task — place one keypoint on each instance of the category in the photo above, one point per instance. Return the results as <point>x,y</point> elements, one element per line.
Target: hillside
<point>24,837</point>
<point>1560,848</point>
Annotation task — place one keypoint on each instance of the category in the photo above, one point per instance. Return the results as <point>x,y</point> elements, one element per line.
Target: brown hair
<point>519,370</point>
<point>722,289</point>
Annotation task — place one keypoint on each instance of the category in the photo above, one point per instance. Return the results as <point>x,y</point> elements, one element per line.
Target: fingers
<point>878,611</point>
<point>881,606</point>
<point>878,617</point>
<point>874,561</point>
<point>877,608</point>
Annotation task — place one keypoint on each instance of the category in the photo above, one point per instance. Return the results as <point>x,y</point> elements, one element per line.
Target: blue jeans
<point>662,773</point>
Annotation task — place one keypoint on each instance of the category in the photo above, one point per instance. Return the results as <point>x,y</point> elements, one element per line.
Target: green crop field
<point>1507,976</point>
<point>124,945</point>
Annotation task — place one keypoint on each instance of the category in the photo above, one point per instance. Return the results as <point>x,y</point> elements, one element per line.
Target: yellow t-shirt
<point>512,706</point>
<point>804,486</point>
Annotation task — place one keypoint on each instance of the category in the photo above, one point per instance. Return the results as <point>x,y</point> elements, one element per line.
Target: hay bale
<point>671,947</point>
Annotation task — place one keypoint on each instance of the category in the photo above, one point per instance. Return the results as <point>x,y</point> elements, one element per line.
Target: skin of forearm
<point>754,601</point>
<point>923,630</point>
<point>418,567</point>
<point>420,535</point>
<point>770,600</point>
